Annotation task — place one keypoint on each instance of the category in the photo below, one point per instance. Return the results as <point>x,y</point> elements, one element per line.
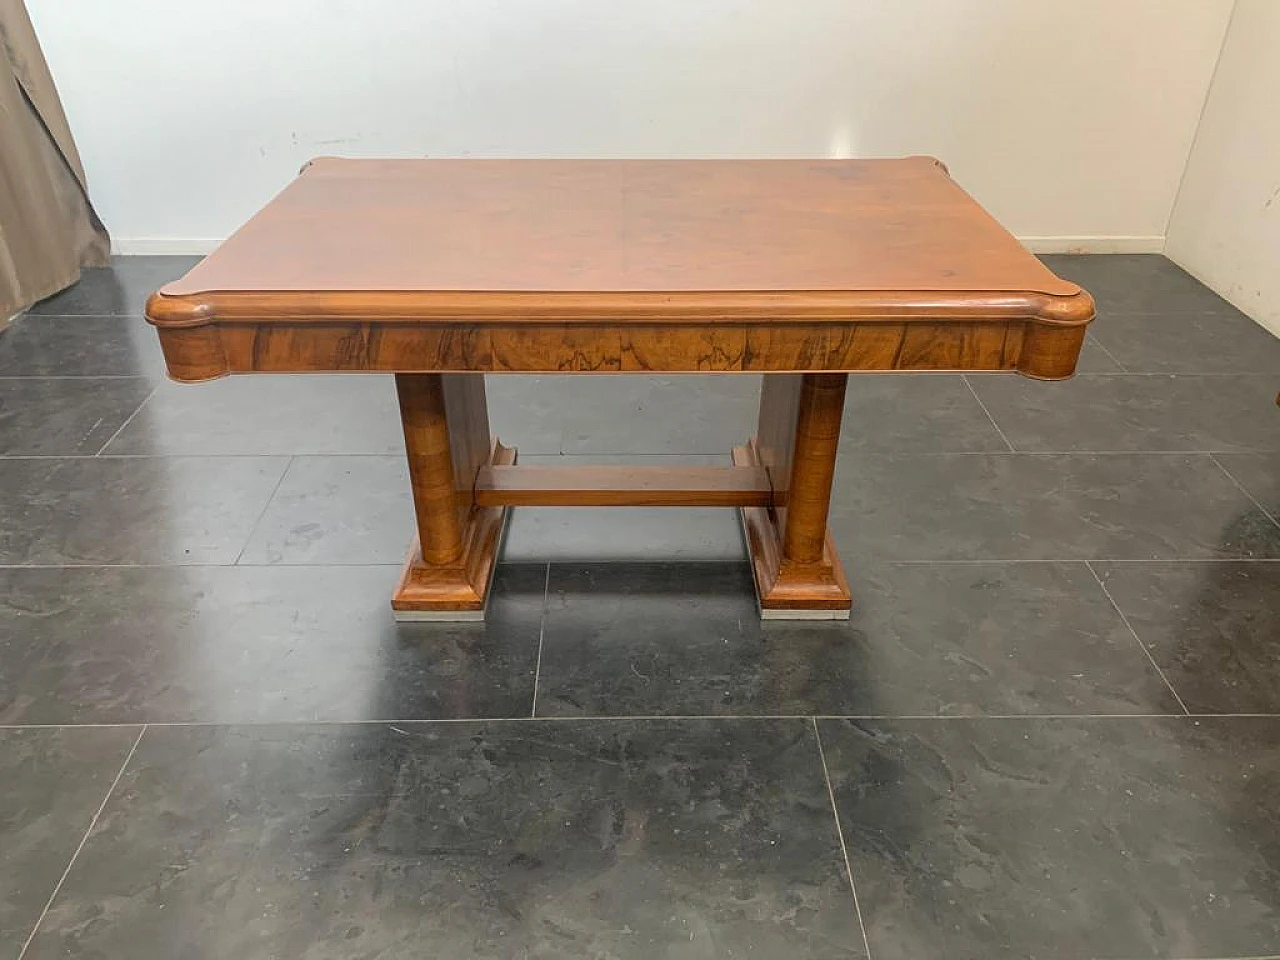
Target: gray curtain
<point>48,228</point>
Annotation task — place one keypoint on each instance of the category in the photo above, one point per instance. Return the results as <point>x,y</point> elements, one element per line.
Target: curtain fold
<point>48,228</point>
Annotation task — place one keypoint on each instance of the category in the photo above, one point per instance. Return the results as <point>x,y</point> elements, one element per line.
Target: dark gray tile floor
<point>1061,838</point>
<point>1051,728</point>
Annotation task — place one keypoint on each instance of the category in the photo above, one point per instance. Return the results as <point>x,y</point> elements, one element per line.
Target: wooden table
<point>442,271</point>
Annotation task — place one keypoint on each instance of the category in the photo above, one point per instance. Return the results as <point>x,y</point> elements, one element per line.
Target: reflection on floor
<point>1051,729</point>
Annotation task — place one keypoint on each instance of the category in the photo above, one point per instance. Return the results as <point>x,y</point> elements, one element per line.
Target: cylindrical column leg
<point>426,439</point>
<point>813,464</point>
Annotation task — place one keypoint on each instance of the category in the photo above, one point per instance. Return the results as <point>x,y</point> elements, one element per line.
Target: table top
<point>506,239</point>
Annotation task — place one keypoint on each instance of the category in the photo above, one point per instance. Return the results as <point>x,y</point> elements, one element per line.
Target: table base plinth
<point>465,482</point>
<point>786,590</point>
<point>454,591</point>
<point>457,590</point>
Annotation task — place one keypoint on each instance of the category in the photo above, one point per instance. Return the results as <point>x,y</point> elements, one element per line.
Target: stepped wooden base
<point>464,483</point>
<point>786,590</point>
<point>457,591</point>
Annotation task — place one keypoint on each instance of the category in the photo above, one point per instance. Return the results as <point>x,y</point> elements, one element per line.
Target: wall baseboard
<point>161,246</point>
<point>193,246</point>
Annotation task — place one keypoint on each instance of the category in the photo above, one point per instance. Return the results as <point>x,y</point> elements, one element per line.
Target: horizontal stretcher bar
<point>591,486</point>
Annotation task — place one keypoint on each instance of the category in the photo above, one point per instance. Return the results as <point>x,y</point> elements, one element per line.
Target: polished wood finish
<point>788,590</point>
<point>813,463</point>
<point>616,266</point>
<point>794,562</point>
<point>593,486</point>
<point>776,433</point>
<point>431,474</point>
<point>443,271</point>
<point>1031,348</point>
<point>446,433</point>
<point>462,231</point>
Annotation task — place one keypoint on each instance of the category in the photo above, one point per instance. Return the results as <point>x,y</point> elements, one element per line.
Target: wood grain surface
<point>446,432</point>
<point>630,486</point>
<point>619,266</point>
<point>608,226</point>
<point>1032,348</point>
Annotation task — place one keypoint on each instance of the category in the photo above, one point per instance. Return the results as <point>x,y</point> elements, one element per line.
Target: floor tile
<point>973,833</point>
<point>269,415</point>
<point>47,346</point>
<point>676,534</point>
<point>538,840</point>
<point>1062,838</point>
<point>663,639</point>
<point>41,417</point>
<point>175,510</point>
<point>690,414</point>
<point>923,639</point>
<point>337,510</point>
<point>986,639</point>
<point>1259,474</point>
<point>120,289</point>
<point>924,413</point>
<point>1214,628</point>
<point>1106,413</point>
<point>242,644</point>
<point>360,510</point>
<point>1095,359</point>
<point>1188,342</point>
<point>1044,507</point>
<point>1137,283</point>
<point>54,782</point>
<point>526,412</point>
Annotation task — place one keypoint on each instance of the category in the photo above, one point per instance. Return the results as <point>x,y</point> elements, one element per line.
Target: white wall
<point>1225,228</point>
<point>1070,119</point>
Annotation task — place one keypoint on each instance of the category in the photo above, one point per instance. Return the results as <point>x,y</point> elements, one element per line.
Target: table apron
<point>1035,348</point>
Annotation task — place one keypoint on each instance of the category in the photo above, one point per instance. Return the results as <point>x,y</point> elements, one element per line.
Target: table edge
<point>684,307</point>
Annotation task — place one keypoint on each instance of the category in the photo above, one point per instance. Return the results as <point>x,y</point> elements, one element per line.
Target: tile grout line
<point>202,564</point>
<point>1110,356</point>
<point>996,561</point>
<point>1241,487</point>
<point>74,376</point>
<point>399,455</point>
<point>542,629</point>
<point>120,429</point>
<point>193,456</point>
<point>132,315</point>
<point>864,454</point>
<point>1136,639</point>
<point>647,718</point>
<point>265,507</point>
<point>83,840</point>
<point>1075,560</point>
<point>844,850</point>
<point>965,378</point>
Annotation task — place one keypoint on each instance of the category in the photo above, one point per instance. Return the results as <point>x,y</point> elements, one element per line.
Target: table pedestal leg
<point>446,435</point>
<point>797,570</point>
